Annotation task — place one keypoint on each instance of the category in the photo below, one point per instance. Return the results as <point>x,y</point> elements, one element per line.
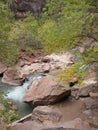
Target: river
<point>17,93</point>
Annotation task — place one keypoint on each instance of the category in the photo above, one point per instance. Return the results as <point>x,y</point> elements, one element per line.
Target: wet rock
<point>46,91</point>
<point>3,68</point>
<point>12,77</point>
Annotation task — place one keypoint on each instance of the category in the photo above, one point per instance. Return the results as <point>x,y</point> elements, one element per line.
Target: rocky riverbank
<point>27,65</point>
<point>56,106</point>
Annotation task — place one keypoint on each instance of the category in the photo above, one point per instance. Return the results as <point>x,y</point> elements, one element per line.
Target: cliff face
<point>19,7</point>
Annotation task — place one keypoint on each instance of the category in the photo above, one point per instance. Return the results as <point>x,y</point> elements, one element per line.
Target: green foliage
<point>75,71</point>
<point>63,26</point>
<point>91,55</point>
<point>6,20</point>
<point>8,53</point>
<point>58,29</point>
<point>92,2</point>
<point>91,26</point>
<point>7,114</point>
<point>24,33</point>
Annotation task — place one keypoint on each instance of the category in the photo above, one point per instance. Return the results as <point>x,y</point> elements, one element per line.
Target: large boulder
<point>3,68</point>
<point>44,113</point>
<point>46,91</point>
<point>12,77</point>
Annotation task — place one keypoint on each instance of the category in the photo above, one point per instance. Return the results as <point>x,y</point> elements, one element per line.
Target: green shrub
<point>6,21</point>
<point>75,71</point>
<point>60,27</point>
<point>8,53</point>
<point>61,30</point>
<point>7,114</point>
<point>91,55</point>
<point>24,33</point>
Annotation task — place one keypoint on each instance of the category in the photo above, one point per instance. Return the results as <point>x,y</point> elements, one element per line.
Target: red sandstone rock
<point>43,113</point>
<point>76,124</point>
<point>12,77</point>
<point>46,91</point>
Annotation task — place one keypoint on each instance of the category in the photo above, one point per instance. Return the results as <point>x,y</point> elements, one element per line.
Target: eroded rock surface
<point>43,113</point>
<point>28,64</point>
<point>48,63</point>
<point>12,77</point>
<point>76,124</point>
<point>46,91</point>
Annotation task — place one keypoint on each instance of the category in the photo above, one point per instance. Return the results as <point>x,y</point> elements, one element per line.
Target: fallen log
<point>25,118</point>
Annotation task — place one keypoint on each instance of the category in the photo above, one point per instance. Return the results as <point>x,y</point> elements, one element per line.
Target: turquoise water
<point>16,94</point>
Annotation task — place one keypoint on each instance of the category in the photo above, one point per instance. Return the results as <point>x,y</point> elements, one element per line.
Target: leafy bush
<point>91,27</point>
<point>7,114</point>
<point>8,53</point>
<point>59,28</point>
<point>75,71</point>
<point>6,21</point>
<point>63,24</point>
<point>91,55</point>
<point>24,33</point>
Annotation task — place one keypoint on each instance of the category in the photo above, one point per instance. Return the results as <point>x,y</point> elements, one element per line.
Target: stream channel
<point>16,94</point>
